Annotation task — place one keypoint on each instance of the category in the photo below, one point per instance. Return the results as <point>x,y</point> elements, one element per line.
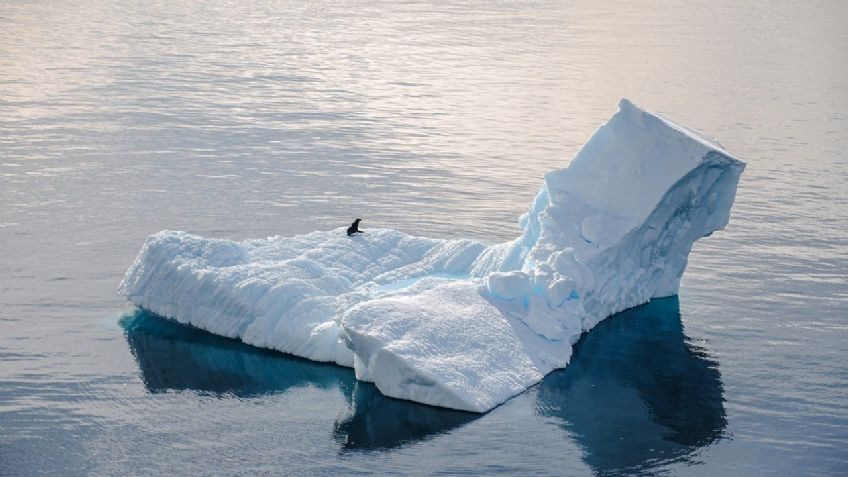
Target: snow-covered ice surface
<point>457,323</point>
<point>285,293</point>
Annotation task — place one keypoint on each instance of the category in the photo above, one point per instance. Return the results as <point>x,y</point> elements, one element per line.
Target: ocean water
<point>248,119</point>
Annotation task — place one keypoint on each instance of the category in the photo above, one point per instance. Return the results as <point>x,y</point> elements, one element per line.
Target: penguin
<point>354,228</point>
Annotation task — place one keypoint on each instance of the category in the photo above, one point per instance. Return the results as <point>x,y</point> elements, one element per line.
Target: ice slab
<point>285,293</point>
<point>457,323</point>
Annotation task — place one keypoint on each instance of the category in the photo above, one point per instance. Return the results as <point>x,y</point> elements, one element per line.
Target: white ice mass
<point>457,323</point>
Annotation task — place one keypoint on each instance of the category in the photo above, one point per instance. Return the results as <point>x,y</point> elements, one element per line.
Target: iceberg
<point>459,323</point>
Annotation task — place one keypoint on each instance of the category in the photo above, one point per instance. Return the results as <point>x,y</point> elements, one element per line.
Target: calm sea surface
<point>247,119</point>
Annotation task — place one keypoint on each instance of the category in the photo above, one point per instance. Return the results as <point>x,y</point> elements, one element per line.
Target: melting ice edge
<point>459,323</point>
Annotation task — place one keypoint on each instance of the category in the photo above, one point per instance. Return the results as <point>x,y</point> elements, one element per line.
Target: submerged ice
<point>458,323</point>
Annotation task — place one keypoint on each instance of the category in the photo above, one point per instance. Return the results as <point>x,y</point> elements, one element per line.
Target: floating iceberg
<point>458,323</point>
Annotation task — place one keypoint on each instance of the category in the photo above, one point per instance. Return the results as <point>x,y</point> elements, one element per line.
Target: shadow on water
<point>637,393</point>
<point>176,357</point>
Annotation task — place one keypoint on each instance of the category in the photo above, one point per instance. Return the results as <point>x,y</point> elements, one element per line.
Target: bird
<point>354,228</point>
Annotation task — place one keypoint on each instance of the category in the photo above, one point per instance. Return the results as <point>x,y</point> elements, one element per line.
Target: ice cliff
<point>457,323</point>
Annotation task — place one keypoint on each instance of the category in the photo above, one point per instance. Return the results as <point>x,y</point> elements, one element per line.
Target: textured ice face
<point>456,323</point>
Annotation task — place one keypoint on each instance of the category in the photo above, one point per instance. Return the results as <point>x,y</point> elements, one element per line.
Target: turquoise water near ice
<point>239,120</point>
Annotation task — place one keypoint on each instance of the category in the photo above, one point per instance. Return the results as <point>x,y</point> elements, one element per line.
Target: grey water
<point>248,119</point>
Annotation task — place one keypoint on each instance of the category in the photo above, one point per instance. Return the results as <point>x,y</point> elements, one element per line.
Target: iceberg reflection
<point>175,357</point>
<point>172,356</point>
<point>637,393</point>
<point>379,422</point>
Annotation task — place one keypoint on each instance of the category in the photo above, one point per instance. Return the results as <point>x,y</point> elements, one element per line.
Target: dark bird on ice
<point>354,228</point>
